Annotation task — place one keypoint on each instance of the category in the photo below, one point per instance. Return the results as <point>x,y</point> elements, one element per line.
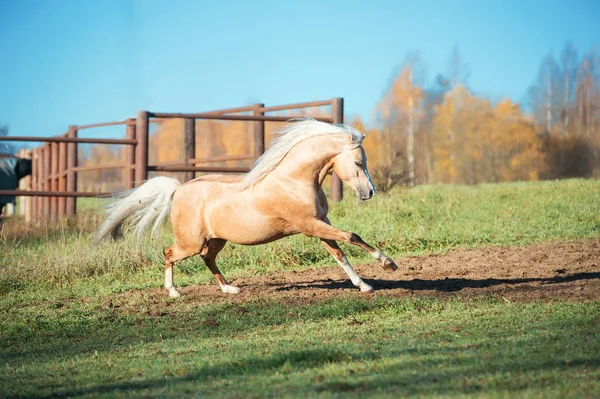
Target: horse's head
<point>351,166</point>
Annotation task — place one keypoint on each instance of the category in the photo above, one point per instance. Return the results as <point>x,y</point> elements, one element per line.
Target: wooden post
<point>53,180</point>
<point>46,179</point>
<point>337,113</point>
<point>28,201</point>
<point>40,184</point>
<point>71,203</point>
<point>259,131</point>
<point>21,186</point>
<point>62,178</point>
<point>130,156</point>
<point>190,145</point>
<point>34,186</point>
<point>141,152</point>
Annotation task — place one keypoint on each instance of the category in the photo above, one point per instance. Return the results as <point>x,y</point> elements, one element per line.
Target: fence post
<point>190,146</point>
<point>71,202</point>
<point>34,185</point>
<point>53,180</point>
<point>259,131</point>
<point>20,209</point>
<point>40,184</point>
<point>62,179</point>
<point>130,155</point>
<point>141,151</point>
<point>337,113</point>
<point>46,179</point>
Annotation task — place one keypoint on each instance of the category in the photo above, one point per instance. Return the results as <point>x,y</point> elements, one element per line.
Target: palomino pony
<point>281,196</point>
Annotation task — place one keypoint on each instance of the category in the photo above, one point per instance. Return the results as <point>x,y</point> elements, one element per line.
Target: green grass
<point>66,331</point>
<point>428,219</point>
<point>357,347</point>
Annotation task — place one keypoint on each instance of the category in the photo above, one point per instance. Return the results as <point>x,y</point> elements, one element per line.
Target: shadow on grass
<point>421,365</point>
<point>444,285</point>
<point>78,333</point>
<point>406,372</point>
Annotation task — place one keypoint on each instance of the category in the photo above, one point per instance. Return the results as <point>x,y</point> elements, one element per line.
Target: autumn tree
<point>565,103</point>
<point>401,111</point>
<point>375,144</point>
<point>447,125</point>
<point>544,95</point>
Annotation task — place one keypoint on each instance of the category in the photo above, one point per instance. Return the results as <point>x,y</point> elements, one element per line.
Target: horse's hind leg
<point>173,254</point>
<point>213,247</point>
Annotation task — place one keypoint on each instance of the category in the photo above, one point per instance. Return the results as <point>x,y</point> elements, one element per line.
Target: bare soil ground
<point>546,271</point>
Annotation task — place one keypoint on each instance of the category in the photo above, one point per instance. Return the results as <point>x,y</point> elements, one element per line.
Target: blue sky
<point>84,61</point>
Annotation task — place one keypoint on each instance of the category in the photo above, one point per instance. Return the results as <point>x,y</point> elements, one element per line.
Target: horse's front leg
<point>323,230</point>
<point>341,259</point>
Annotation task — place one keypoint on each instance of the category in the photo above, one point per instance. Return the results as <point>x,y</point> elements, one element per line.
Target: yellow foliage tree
<point>477,142</point>
<point>401,110</point>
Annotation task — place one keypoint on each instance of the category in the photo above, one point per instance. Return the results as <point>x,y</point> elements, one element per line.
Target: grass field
<point>72,327</point>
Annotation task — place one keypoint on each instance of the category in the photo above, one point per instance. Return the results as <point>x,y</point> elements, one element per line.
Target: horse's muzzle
<point>366,196</point>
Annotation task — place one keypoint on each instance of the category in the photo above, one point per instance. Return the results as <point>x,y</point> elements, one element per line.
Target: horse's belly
<point>257,239</point>
<point>250,229</point>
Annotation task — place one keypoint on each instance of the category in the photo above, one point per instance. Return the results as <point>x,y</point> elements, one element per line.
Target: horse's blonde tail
<point>145,204</point>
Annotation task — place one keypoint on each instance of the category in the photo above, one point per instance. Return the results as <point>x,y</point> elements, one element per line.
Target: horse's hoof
<point>173,293</point>
<point>367,289</point>
<point>388,265</point>
<point>230,289</point>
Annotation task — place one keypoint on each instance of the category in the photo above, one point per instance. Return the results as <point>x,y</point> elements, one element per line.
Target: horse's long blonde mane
<point>288,137</point>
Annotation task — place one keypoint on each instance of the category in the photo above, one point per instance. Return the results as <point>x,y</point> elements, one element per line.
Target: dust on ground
<point>545,271</point>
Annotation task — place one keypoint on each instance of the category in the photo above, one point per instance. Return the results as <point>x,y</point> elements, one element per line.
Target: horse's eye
<point>359,163</point>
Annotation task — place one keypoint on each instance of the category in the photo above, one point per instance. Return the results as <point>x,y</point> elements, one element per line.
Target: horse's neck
<point>307,161</point>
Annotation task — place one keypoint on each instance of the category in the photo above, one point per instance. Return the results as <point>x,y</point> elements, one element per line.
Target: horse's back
<point>217,178</point>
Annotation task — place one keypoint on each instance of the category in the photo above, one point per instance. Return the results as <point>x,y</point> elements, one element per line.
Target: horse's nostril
<point>371,193</point>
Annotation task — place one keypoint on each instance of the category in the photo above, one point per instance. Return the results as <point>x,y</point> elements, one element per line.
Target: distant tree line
<point>444,132</point>
<point>440,131</point>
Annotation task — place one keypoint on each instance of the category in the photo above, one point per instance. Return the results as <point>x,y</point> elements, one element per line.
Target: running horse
<point>281,196</point>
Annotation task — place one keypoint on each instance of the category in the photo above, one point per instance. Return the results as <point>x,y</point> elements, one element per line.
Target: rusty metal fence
<point>53,182</point>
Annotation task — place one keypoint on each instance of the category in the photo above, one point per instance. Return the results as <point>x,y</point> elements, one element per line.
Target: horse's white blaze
<point>230,289</point>
<point>355,278</point>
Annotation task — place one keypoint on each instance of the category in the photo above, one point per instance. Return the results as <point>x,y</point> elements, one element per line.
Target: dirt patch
<point>547,271</point>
